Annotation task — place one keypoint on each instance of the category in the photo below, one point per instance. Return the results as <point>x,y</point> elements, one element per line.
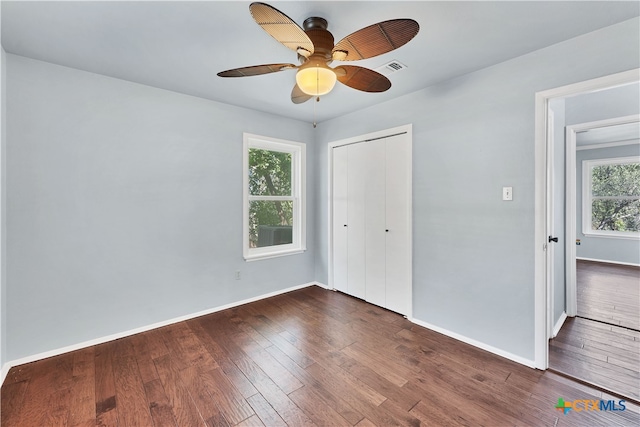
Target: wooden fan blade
<point>375,39</point>
<point>362,78</point>
<point>281,28</point>
<point>298,96</point>
<point>256,70</point>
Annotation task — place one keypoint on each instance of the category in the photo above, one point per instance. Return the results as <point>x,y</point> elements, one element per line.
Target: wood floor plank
<point>271,332</point>
<point>362,399</point>
<point>253,421</point>
<point>307,400</point>
<point>389,371</point>
<point>11,402</point>
<point>184,409</point>
<point>231,371</point>
<point>57,412</point>
<point>186,349</point>
<point>609,293</point>
<point>338,380</point>
<point>20,373</point>
<point>232,404</point>
<point>473,412</point>
<point>288,410</point>
<point>429,414</point>
<point>598,361</point>
<point>366,423</point>
<point>82,411</point>
<point>318,350</point>
<point>132,405</point>
<point>105,392</point>
<point>265,411</point>
<point>159,405</point>
<point>144,357</point>
<point>276,372</point>
<point>378,382</point>
<point>327,398</point>
<point>203,398</point>
<point>47,390</point>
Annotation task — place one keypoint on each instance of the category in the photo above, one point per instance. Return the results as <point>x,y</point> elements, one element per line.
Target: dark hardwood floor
<point>609,293</point>
<point>604,354</point>
<point>309,357</point>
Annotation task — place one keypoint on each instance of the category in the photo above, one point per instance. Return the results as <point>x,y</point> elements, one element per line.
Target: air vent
<point>391,67</point>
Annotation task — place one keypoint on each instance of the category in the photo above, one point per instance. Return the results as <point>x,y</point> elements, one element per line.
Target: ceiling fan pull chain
<point>314,112</point>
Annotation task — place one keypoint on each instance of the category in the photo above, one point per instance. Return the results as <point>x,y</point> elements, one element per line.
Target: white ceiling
<point>180,46</point>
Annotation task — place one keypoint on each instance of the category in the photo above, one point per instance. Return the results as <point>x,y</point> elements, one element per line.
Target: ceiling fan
<point>316,50</point>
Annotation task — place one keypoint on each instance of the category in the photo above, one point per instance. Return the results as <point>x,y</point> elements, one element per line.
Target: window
<point>611,197</point>
<point>274,204</point>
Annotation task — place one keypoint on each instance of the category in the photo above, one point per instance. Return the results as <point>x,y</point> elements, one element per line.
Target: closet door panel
<point>356,258</point>
<point>340,187</point>
<point>375,222</point>
<point>398,222</point>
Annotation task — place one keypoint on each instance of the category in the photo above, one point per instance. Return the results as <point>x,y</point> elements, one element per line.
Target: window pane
<point>616,180</point>
<point>270,223</point>
<point>616,215</point>
<point>269,173</point>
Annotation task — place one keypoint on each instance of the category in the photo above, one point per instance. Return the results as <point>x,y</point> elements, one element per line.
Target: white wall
<point>124,206</point>
<point>473,264</point>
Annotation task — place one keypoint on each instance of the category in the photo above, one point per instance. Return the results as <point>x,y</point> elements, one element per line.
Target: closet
<point>371,220</point>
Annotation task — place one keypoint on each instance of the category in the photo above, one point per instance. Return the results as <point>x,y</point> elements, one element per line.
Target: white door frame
<point>406,129</point>
<point>541,226</point>
<point>571,209</point>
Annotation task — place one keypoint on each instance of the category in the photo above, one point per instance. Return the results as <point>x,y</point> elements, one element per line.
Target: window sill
<point>274,254</point>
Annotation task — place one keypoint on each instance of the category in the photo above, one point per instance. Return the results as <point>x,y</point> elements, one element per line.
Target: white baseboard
<point>481,345</point>
<point>606,261</point>
<point>558,325</point>
<point>4,371</point>
<point>322,285</point>
<point>10,364</point>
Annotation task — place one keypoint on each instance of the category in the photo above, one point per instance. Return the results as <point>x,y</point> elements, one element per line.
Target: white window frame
<point>587,199</point>
<point>298,196</point>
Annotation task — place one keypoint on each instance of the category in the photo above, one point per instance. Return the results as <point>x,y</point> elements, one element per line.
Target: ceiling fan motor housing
<point>316,29</point>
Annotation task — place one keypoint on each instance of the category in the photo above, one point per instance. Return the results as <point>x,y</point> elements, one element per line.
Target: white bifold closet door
<point>372,220</point>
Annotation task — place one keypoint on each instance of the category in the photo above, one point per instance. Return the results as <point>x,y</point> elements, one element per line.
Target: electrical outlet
<point>507,193</point>
<point>237,274</point>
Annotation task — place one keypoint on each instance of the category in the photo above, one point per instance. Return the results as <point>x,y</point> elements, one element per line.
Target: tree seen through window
<point>271,207</point>
<point>615,197</point>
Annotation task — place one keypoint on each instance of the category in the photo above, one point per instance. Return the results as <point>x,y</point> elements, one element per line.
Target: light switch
<point>507,193</point>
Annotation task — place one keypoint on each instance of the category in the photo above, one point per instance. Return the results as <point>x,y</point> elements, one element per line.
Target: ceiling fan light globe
<point>316,80</point>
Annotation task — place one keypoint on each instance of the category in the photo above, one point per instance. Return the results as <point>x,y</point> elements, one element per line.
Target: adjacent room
<point>226,213</point>
<point>598,342</point>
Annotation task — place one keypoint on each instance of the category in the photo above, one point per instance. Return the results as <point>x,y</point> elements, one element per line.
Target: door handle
<point>553,239</point>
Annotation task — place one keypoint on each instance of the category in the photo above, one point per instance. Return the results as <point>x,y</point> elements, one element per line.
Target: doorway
<point>576,335</point>
<point>600,341</point>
